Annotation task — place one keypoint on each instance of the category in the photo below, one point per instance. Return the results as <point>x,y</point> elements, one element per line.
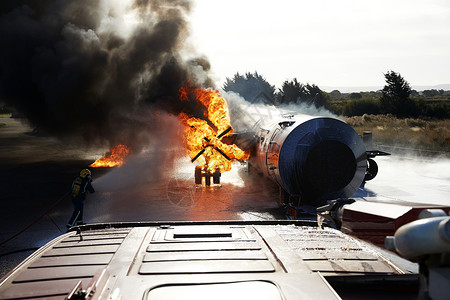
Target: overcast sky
<point>331,43</point>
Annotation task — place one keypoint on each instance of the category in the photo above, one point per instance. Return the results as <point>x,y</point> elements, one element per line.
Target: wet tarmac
<point>173,196</point>
<point>409,179</point>
<point>37,171</point>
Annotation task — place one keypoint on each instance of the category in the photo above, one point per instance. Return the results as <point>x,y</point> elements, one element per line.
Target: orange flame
<point>116,157</point>
<point>199,134</point>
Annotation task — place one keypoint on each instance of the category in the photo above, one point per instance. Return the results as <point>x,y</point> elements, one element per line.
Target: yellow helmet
<point>85,172</point>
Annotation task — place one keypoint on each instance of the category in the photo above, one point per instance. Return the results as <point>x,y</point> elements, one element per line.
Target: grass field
<point>416,134</point>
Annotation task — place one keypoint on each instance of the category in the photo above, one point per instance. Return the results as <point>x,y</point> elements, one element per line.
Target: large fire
<point>116,157</point>
<point>203,141</point>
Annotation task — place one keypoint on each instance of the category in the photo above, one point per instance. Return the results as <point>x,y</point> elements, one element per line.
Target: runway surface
<point>37,171</point>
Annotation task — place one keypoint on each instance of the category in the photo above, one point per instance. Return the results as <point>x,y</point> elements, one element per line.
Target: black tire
<point>216,176</point>
<point>198,175</point>
<point>372,170</point>
<point>208,178</point>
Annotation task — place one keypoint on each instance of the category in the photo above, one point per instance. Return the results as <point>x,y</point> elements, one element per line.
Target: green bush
<point>438,110</point>
<point>416,109</point>
<point>359,107</point>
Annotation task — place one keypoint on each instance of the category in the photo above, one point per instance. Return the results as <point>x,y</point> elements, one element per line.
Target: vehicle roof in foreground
<point>199,260</point>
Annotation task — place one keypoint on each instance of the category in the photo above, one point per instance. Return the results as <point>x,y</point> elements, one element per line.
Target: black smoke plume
<point>81,68</point>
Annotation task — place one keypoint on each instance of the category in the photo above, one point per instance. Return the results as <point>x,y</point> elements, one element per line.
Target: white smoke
<point>155,162</point>
<point>118,17</point>
<point>246,116</point>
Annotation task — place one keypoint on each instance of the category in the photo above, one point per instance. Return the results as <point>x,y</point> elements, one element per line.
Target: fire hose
<point>37,219</point>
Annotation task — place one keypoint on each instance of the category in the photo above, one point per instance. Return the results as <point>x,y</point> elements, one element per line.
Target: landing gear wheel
<point>198,175</point>
<point>372,170</point>
<point>208,178</point>
<point>216,176</point>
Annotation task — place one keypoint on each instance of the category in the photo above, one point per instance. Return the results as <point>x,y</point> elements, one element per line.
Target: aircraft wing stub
<point>375,153</point>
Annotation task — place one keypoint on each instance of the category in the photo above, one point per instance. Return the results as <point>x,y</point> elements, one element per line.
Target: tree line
<point>396,97</point>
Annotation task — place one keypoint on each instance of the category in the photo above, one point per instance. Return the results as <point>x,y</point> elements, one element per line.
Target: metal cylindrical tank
<point>314,158</point>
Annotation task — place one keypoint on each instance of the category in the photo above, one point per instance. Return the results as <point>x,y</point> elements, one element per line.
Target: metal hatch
<point>201,232</point>
<point>203,250</point>
<point>244,290</point>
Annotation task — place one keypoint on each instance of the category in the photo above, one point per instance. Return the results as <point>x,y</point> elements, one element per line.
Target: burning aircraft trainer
<point>203,137</point>
<point>312,159</point>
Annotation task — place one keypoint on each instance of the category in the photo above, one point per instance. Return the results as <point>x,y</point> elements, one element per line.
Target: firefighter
<point>80,186</point>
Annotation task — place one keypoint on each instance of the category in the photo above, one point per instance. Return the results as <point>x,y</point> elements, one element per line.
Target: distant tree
<point>316,94</point>
<point>296,92</point>
<point>369,95</point>
<point>395,98</point>
<point>430,93</point>
<point>335,95</point>
<point>321,99</point>
<point>355,96</point>
<point>291,92</point>
<point>252,87</point>
<point>377,94</point>
<point>414,93</point>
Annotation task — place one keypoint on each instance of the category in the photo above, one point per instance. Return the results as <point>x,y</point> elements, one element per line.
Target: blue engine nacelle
<point>314,159</point>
